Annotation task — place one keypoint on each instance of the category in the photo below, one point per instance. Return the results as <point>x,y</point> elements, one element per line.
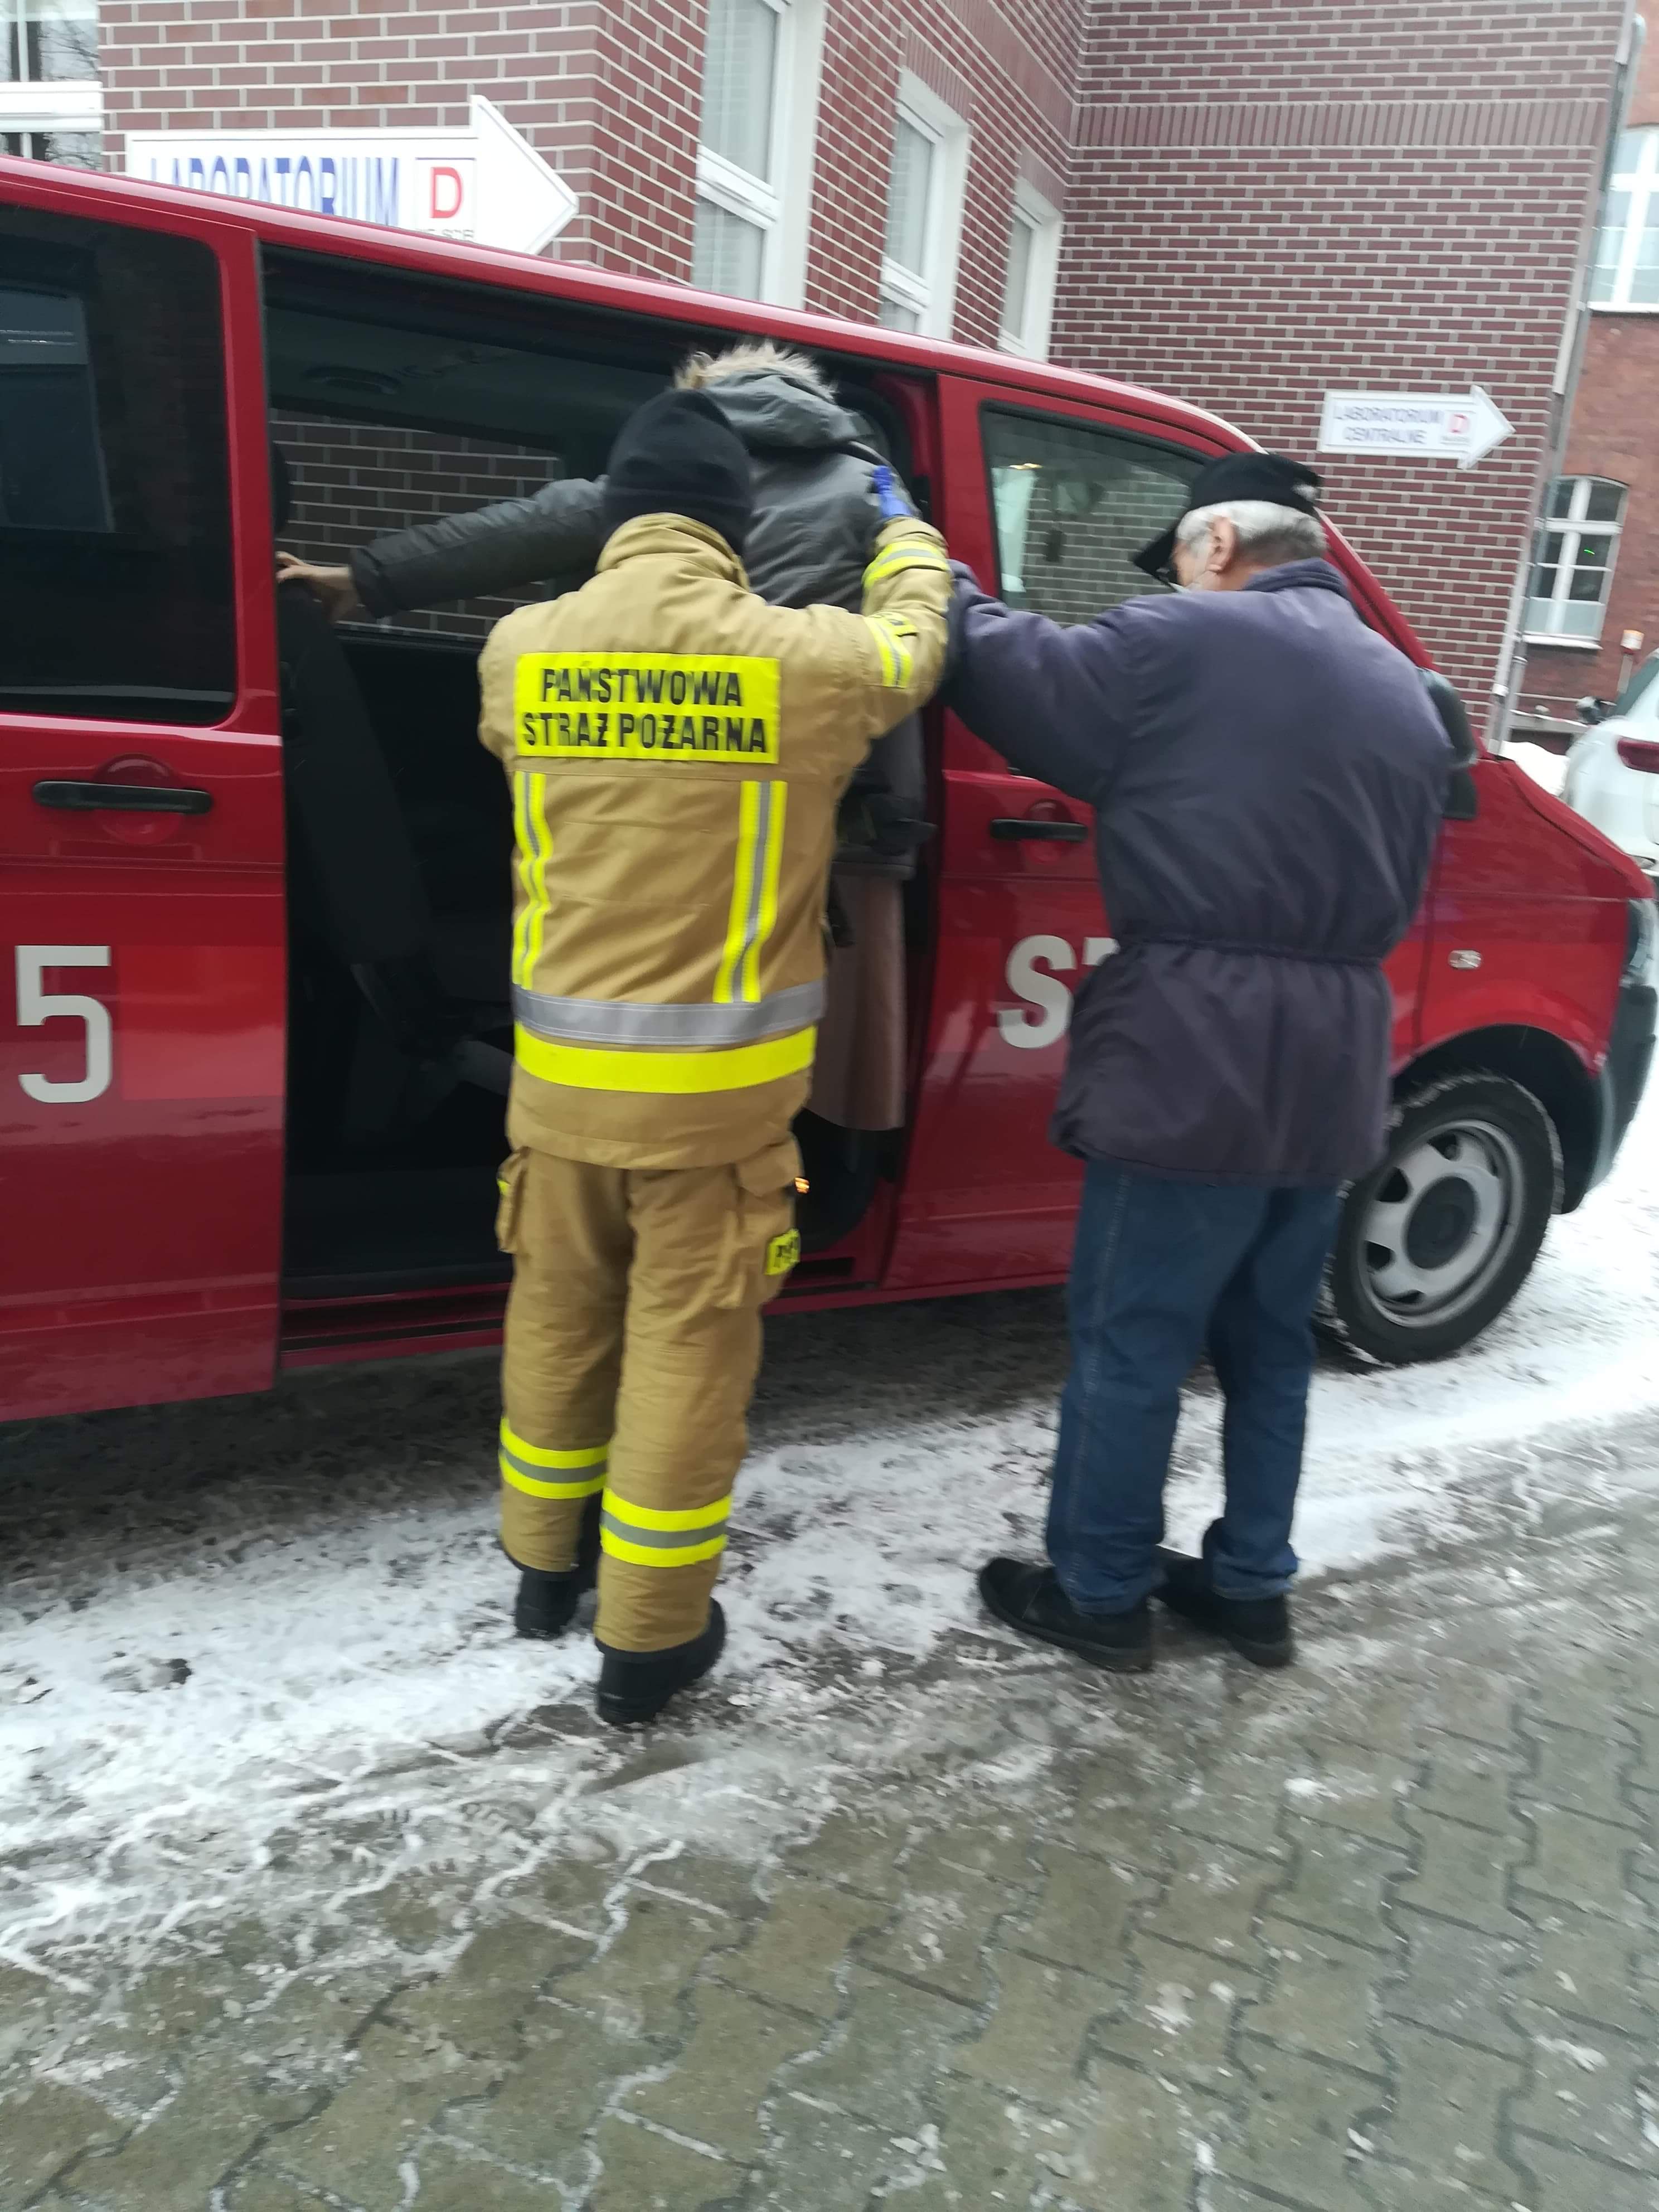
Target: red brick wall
<point>1263,201</point>
<point>1612,435</point>
<point>352,482</point>
<point>1287,197</point>
<point>1009,79</point>
<point>608,90</point>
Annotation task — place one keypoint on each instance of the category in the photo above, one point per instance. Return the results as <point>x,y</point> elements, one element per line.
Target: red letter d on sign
<point>446,194</point>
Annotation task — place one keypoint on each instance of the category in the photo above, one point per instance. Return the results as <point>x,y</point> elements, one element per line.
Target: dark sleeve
<point>556,532</point>
<point>1055,702</point>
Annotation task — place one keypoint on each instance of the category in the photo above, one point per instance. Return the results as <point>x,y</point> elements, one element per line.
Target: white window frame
<point>1642,183</point>
<point>931,293</point>
<point>1046,224</point>
<point>47,105</point>
<point>1573,528</point>
<point>781,211</point>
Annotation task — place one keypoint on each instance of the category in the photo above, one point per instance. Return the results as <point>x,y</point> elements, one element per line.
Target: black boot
<point>546,1603</point>
<point>1029,1598</point>
<point>1258,1628</point>
<point>635,1685</point>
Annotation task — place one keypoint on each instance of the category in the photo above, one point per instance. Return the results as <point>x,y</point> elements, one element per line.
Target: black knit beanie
<point>679,455</point>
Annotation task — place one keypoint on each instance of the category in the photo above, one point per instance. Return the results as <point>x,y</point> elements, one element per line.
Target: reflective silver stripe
<point>663,1539</point>
<point>584,1466</point>
<point>616,1021</point>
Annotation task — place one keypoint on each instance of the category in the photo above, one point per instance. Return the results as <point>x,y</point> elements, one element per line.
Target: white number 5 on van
<point>1044,1013</point>
<point>35,1006</point>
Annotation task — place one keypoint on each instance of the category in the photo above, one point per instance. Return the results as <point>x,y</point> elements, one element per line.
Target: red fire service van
<point>254,952</point>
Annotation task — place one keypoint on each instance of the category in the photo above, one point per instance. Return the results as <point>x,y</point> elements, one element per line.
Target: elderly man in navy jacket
<point>1267,776</point>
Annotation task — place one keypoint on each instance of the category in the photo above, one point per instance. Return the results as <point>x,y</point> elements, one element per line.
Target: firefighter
<point>675,749</point>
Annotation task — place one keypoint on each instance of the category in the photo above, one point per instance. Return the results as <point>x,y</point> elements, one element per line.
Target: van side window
<point>1073,503</point>
<point>115,561</point>
<point>392,407</point>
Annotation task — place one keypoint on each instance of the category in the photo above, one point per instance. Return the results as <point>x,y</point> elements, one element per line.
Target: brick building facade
<point>1246,206</point>
<point>1611,458</point>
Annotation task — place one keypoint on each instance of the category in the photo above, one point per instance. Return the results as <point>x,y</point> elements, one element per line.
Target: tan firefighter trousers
<point>633,1341</point>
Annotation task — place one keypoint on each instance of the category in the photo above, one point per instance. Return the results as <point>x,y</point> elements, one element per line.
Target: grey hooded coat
<point>815,516</point>
<point>814,524</point>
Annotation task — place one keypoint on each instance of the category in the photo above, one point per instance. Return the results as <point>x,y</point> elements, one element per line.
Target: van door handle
<point>123,797</point>
<point>1008,826</point>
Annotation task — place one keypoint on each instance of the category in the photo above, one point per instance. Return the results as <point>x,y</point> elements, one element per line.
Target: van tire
<point>1437,1240</point>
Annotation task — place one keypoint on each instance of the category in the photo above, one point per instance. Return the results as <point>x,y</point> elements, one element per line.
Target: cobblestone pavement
<point>1381,1933</point>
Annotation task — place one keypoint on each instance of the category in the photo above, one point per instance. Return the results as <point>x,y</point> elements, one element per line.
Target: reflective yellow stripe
<point>895,655</point>
<point>673,1516</point>
<point>532,1486</point>
<point>768,897</point>
<point>583,1470</point>
<point>530,822</point>
<point>583,1067</point>
<point>742,886</point>
<point>908,553</point>
<point>642,1555</point>
<point>884,648</point>
<point>662,1536</point>
<point>540,1455</point>
<point>522,835</point>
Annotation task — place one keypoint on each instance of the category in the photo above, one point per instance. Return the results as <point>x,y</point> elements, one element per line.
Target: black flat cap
<point>1273,476</point>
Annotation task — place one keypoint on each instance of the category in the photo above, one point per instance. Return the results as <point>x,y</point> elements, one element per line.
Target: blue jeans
<point>1160,1270</point>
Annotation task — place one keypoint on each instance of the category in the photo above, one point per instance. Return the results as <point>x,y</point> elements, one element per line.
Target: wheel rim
<point>1442,1223</point>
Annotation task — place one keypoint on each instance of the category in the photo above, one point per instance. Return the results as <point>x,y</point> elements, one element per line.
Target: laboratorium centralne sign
<point>1461,427</point>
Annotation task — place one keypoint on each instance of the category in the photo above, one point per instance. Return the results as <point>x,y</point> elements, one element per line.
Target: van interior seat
<point>438,989</point>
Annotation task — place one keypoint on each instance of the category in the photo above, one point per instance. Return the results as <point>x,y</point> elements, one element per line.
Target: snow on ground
<point>231,1632</point>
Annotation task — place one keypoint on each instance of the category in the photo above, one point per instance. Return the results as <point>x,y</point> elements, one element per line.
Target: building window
<point>1027,289</point>
<point>1627,271</point>
<point>1577,541</point>
<point>72,150</point>
<point>48,41</point>
<point>51,101</point>
<point>760,80</point>
<point>925,185</point>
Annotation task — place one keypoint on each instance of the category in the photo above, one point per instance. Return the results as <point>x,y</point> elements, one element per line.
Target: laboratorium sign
<point>406,190</point>
<point>1454,426</point>
<point>482,181</point>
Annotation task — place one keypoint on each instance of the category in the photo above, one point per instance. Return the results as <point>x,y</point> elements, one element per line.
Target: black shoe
<point>635,1685</point>
<point>1258,1628</point>
<point>1030,1599</point>
<point>546,1603</point>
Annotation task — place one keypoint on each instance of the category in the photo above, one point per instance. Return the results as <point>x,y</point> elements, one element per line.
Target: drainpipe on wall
<point>1569,361</point>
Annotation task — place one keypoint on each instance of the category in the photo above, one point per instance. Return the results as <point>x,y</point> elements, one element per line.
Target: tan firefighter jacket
<point>677,747</point>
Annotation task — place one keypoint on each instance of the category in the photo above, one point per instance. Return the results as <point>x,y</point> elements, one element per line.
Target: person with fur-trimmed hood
<point>812,464</point>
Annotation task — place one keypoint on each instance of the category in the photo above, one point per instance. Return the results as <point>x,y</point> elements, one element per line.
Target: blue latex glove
<point>892,500</point>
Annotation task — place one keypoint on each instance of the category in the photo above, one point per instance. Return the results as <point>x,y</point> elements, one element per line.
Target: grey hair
<point>753,357</point>
<point>1269,535</point>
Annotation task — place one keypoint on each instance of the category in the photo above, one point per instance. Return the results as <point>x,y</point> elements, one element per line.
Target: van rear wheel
<point>1438,1239</point>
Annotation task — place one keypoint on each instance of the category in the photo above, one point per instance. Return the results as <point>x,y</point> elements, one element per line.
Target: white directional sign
<point>1462,429</point>
<point>483,181</point>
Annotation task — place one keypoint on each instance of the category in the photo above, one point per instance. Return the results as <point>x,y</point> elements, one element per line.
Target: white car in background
<point>1613,770</point>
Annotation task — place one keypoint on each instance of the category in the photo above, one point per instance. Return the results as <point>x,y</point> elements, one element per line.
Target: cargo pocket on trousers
<point>509,1182</point>
<point>765,1238</point>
